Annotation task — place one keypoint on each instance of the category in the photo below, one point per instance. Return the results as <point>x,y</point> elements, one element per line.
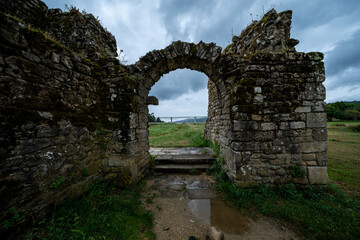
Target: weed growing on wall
<point>57,183</point>
<point>10,220</point>
<point>296,171</point>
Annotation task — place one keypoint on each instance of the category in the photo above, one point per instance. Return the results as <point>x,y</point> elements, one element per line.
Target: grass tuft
<point>315,213</point>
<point>103,213</point>
<point>177,135</point>
<point>355,128</point>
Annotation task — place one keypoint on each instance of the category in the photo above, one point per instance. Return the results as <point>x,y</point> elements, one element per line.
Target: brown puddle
<point>217,213</point>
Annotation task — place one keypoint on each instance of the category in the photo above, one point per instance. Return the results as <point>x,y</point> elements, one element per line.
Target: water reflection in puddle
<point>201,208</point>
<point>217,213</point>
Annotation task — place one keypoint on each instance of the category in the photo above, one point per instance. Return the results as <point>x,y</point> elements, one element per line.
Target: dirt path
<point>185,205</point>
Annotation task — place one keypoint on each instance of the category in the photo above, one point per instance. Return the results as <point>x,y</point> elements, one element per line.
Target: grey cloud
<point>214,20</point>
<point>177,83</point>
<point>345,79</point>
<point>344,55</point>
<point>314,13</point>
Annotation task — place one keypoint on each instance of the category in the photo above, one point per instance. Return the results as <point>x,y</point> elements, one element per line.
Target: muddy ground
<point>187,205</point>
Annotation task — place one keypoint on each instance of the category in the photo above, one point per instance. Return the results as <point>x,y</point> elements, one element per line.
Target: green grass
<point>103,213</point>
<point>314,213</point>
<point>177,135</point>
<point>344,155</point>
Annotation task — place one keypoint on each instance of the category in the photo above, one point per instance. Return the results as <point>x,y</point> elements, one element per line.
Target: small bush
<point>198,140</point>
<point>355,128</point>
<point>296,171</point>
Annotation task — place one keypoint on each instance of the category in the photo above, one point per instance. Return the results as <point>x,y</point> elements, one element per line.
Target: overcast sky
<point>139,26</point>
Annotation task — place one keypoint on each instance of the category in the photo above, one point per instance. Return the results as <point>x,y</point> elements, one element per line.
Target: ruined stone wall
<point>282,120</point>
<point>270,34</point>
<point>66,119</point>
<point>278,120</point>
<point>79,31</point>
<point>63,122</point>
<point>212,128</point>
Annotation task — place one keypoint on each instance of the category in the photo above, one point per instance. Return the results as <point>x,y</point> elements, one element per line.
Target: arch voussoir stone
<point>200,57</point>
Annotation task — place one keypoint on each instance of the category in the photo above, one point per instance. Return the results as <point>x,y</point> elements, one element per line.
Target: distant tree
<point>151,117</point>
<point>158,119</point>
<point>351,114</point>
<point>343,111</point>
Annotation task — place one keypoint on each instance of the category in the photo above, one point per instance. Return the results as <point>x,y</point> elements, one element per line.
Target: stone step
<point>185,159</point>
<point>177,151</point>
<point>182,159</point>
<point>181,167</point>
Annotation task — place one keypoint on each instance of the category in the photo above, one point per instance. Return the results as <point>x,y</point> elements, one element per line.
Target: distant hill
<point>355,102</point>
<point>192,120</point>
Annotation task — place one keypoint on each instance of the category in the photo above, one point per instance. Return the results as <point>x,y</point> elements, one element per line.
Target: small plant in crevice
<point>57,183</point>
<point>296,171</point>
<point>216,147</point>
<point>102,136</point>
<point>85,171</point>
<point>152,163</point>
<point>150,199</point>
<point>183,188</point>
<point>10,220</point>
<point>194,171</point>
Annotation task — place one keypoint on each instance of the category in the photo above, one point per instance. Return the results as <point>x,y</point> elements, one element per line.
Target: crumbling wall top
<point>79,31</point>
<point>270,34</point>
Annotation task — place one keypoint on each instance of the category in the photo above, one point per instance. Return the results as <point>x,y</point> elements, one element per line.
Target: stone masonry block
<point>318,175</point>
<point>312,147</point>
<point>297,125</point>
<point>316,120</point>
<point>303,109</point>
<point>319,134</point>
<point>268,126</point>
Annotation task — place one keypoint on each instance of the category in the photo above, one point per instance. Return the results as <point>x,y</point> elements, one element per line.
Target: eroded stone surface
<point>318,175</point>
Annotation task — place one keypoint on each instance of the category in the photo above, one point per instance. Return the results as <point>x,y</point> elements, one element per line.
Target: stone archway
<point>202,57</point>
<point>63,115</point>
<point>266,105</point>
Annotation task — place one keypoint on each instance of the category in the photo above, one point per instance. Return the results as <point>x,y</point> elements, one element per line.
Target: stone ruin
<point>72,113</point>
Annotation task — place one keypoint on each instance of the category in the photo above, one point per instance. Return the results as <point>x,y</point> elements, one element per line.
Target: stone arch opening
<point>201,57</point>
<point>263,122</point>
<point>182,92</point>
